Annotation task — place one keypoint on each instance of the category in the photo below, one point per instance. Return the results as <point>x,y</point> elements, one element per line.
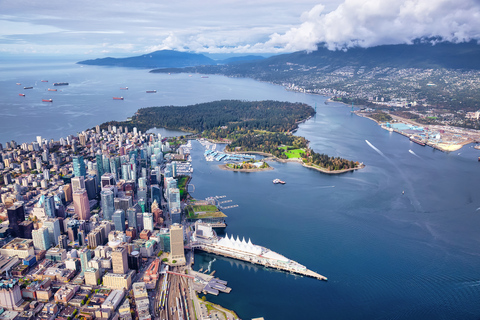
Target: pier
<point>268,264</point>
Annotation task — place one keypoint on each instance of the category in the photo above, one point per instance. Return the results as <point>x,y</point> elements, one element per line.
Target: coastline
<point>224,167</point>
<point>444,147</point>
<point>271,157</point>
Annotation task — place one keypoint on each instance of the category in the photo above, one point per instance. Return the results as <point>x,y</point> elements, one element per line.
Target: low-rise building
<point>118,281</point>
<point>92,275</point>
<point>18,247</point>
<point>64,294</point>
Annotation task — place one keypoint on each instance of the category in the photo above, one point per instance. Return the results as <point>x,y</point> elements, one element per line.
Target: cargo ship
<point>117,98</point>
<point>151,91</point>
<point>51,89</point>
<point>44,80</point>
<point>47,100</point>
<point>126,88</point>
<point>27,87</point>
<point>278,181</point>
<point>60,83</point>
<point>21,94</point>
<point>420,142</point>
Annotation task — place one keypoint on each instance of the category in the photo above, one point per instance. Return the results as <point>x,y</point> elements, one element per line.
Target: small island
<point>261,127</point>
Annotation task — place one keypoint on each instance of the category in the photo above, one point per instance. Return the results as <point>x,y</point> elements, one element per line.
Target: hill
<point>157,59</point>
<point>166,59</point>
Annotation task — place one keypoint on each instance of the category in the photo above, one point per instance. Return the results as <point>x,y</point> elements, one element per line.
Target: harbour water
<point>388,254</point>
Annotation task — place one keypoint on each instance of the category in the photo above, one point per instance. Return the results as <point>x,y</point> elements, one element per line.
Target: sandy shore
<point>224,167</point>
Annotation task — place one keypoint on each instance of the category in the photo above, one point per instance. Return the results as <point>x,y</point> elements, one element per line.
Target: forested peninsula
<point>260,126</point>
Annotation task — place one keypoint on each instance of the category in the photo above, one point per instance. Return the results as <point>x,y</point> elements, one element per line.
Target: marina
<point>211,154</point>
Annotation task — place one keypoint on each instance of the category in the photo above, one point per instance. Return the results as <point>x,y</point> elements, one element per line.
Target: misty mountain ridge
<point>166,59</point>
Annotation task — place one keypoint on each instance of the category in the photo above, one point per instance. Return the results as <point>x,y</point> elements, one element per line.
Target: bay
<point>387,254</point>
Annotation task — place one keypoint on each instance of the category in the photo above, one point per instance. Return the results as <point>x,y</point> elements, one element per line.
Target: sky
<point>123,28</point>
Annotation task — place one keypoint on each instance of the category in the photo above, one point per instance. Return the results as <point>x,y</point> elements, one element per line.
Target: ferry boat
<point>27,87</point>
<point>278,181</point>
<point>60,84</point>
<point>117,98</point>
<point>151,91</point>
<point>51,89</point>
<point>47,100</point>
<point>21,94</point>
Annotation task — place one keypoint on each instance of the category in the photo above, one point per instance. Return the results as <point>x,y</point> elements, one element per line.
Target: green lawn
<point>292,153</point>
<point>208,211</point>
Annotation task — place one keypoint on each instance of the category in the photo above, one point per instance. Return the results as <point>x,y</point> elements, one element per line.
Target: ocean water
<point>387,254</point>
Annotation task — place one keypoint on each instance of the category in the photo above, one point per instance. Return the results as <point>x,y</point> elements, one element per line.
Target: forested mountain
<point>157,59</point>
<point>424,55</point>
<point>167,59</point>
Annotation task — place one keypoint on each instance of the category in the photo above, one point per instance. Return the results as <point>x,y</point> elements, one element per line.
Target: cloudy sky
<point>118,28</point>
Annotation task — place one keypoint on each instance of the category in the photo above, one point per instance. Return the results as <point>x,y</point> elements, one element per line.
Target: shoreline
<point>271,157</point>
<point>224,167</point>
<point>443,147</point>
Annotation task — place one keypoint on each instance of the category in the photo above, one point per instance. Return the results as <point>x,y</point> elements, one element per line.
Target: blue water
<point>387,255</point>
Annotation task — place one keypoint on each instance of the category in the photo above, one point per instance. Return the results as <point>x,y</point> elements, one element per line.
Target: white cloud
<point>374,22</point>
<point>222,26</point>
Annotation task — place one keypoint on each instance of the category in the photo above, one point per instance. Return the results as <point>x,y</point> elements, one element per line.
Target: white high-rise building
<point>148,221</point>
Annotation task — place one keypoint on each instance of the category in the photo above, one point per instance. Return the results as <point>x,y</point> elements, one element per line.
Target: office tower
<point>49,206</point>
<point>79,166</point>
<point>91,187</point>
<point>26,228</point>
<point>132,218</point>
<point>78,183</point>
<point>63,241</point>
<point>95,238</point>
<point>99,161</point>
<point>139,221</point>
<point>176,243</point>
<point>108,179</point>
<point>125,171</point>
<point>81,204</point>
<point>120,260</point>
<point>106,164</point>
<point>107,201</point>
<point>85,255</point>
<point>148,221</point>
<point>142,193</point>
<point>157,213</point>
<point>41,239</point>
<point>68,192</point>
<point>156,193</point>
<point>16,214</point>
<point>81,238</point>
<point>119,220</point>
<point>123,203</point>
<point>53,226</point>
<point>72,230</point>
<point>83,139</point>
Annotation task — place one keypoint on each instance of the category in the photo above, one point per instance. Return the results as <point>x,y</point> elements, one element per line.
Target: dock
<point>305,272</point>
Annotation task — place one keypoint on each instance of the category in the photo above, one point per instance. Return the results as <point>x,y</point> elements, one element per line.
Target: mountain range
<point>166,59</point>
